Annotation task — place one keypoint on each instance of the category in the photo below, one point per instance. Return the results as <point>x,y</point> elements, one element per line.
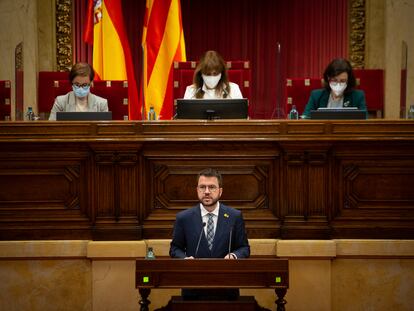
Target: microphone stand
<point>231,232</point>
<point>278,83</point>
<point>199,239</point>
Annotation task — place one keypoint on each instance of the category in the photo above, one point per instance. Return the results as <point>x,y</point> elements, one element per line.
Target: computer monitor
<point>352,113</point>
<point>212,109</point>
<point>83,116</point>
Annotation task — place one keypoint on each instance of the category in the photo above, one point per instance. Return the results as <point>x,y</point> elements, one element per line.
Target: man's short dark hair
<point>211,172</point>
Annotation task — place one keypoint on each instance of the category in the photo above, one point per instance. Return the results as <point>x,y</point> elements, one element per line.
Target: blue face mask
<point>81,91</point>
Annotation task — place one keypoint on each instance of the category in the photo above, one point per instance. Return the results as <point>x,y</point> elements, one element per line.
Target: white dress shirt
<point>204,216</point>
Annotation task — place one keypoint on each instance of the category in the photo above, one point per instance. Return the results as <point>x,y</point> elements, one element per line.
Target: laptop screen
<point>338,114</point>
<point>212,109</point>
<point>83,116</point>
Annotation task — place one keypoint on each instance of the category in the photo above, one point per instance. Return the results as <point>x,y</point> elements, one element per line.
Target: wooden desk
<point>212,273</point>
<point>122,180</point>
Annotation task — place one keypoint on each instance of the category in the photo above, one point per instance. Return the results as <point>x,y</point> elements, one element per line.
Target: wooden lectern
<point>212,273</point>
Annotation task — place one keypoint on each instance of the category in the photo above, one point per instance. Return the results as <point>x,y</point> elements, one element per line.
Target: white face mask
<point>211,81</point>
<point>338,87</point>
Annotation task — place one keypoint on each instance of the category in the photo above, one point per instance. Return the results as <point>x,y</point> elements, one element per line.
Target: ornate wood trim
<point>64,28</point>
<point>19,56</point>
<point>357,33</point>
<point>19,83</point>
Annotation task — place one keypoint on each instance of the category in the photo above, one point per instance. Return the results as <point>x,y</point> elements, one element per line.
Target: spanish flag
<point>162,43</point>
<point>112,58</point>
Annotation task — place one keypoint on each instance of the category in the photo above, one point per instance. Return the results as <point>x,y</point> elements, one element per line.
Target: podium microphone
<point>230,236</point>
<point>278,109</point>
<point>199,239</point>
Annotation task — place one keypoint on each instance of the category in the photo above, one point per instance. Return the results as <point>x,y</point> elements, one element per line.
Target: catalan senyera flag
<point>112,58</point>
<point>162,43</point>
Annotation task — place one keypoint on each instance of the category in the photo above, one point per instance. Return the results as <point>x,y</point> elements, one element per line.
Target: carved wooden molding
<point>357,195</point>
<point>137,133</point>
<point>300,158</point>
<point>64,34</point>
<point>357,33</point>
<point>112,158</point>
<point>173,186</point>
<point>19,56</point>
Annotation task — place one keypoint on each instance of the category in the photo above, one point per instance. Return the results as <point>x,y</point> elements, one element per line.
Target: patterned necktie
<point>210,230</point>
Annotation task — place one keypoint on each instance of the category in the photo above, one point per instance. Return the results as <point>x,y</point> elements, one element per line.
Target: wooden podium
<point>212,273</point>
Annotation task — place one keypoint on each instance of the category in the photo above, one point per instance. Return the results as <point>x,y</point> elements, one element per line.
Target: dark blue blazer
<point>188,227</point>
<point>320,98</point>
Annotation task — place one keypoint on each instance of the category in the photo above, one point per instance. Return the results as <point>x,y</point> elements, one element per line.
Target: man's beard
<point>212,203</point>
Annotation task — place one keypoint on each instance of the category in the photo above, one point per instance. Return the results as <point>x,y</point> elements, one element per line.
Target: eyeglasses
<point>84,85</point>
<point>211,188</point>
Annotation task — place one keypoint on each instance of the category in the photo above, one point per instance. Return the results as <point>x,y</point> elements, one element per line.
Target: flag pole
<point>143,82</point>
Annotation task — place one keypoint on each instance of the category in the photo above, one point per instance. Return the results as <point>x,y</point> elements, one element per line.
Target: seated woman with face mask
<point>80,98</point>
<point>211,80</point>
<point>339,89</point>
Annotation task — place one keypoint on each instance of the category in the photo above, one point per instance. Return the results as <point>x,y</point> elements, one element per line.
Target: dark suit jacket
<point>189,225</point>
<point>320,98</point>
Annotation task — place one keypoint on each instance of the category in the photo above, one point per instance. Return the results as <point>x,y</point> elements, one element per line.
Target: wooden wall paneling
<point>318,186</point>
<point>117,191</point>
<point>127,180</point>
<point>306,190</point>
<point>375,191</point>
<point>44,184</point>
<point>250,173</point>
<point>319,191</point>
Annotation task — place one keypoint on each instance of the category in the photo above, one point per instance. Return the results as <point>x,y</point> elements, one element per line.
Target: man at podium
<point>209,230</point>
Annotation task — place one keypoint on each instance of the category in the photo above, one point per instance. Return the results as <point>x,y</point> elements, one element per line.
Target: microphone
<point>199,239</point>
<point>278,109</point>
<point>230,236</point>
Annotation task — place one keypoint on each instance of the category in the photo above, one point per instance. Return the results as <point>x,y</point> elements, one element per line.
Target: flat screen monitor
<point>83,116</point>
<point>212,109</point>
<point>338,114</point>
